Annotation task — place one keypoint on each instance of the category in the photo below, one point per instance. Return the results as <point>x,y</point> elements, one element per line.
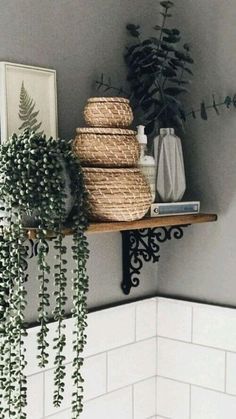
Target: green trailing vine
<point>33,184</point>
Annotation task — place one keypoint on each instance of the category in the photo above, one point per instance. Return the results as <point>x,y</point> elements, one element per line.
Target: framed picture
<point>28,99</point>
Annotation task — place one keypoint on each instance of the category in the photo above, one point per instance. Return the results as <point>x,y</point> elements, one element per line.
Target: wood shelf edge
<point>109,227</point>
<point>171,220</point>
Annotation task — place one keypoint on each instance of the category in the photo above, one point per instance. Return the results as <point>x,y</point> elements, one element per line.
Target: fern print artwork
<point>27,112</point>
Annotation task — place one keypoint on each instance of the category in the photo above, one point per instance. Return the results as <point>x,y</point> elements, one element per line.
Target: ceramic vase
<point>170,175</point>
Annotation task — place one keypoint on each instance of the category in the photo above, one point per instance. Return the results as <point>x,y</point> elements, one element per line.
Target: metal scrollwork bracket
<point>139,246</point>
<point>31,247</point>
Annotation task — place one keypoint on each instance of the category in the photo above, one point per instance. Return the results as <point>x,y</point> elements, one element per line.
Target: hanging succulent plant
<point>33,184</point>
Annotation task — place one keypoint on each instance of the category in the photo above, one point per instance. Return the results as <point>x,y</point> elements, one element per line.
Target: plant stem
<point>199,110</point>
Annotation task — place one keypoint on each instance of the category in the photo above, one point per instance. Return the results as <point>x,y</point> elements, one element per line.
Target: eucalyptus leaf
<point>203,111</point>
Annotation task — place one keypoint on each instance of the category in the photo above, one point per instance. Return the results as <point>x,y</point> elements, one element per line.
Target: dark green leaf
<point>215,105</point>
<point>203,111</point>
<point>180,82</point>
<point>167,47</point>
<point>172,39</point>
<point>157,27</point>
<point>228,101</point>
<point>184,57</point>
<point>234,100</point>
<point>166,4</point>
<point>183,115</point>
<point>187,70</point>
<point>168,72</point>
<point>166,14</point>
<point>174,91</point>
<point>187,47</point>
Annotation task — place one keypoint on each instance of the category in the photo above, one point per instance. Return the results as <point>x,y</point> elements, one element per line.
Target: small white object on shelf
<point>170,177</point>
<point>146,162</point>
<point>174,208</point>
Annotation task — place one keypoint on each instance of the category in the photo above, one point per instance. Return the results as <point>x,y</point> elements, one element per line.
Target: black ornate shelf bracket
<point>31,247</point>
<point>139,246</point>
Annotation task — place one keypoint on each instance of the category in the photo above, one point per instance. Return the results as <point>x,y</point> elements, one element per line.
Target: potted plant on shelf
<point>32,183</point>
<point>159,75</point>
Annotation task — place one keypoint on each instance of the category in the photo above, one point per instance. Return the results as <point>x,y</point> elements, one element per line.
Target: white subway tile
<point>68,350</point>
<point>146,319</point>
<point>65,414</point>
<point>49,390</point>
<point>111,328</point>
<point>31,353</point>
<point>206,404</point>
<point>35,396</point>
<point>115,405</point>
<point>231,373</point>
<point>145,399</point>
<point>215,326</point>
<point>191,363</point>
<point>94,374</point>
<point>173,399</point>
<point>174,319</point>
<point>131,363</point>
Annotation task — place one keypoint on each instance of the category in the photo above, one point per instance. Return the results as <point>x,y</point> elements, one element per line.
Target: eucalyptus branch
<point>227,103</point>
<point>107,85</point>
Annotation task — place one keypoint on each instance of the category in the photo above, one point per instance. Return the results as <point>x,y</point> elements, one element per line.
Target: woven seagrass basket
<point>106,147</point>
<point>108,112</point>
<point>116,194</point>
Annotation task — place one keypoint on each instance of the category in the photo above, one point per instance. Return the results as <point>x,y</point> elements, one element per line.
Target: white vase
<point>170,178</point>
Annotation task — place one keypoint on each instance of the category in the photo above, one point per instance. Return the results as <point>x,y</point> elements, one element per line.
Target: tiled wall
<point>119,370</point>
<point>196,361</point>
<point>169,358</point>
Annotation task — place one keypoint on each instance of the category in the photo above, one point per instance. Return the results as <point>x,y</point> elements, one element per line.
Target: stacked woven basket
<point>109,152</point>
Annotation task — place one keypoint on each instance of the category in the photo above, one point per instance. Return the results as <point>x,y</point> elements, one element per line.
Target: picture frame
<point>28,99</point>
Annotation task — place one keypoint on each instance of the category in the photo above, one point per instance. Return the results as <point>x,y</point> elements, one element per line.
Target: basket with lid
<point>108,112</point>
<point>106,147</point>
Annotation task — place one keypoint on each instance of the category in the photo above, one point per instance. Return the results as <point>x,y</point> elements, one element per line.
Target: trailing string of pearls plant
<point>33,180</point>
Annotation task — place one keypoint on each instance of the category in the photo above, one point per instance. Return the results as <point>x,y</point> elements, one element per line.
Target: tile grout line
<point>226,372</point>
<point>190,400</point>
<point>187,342</point>
<point>196,385</point>
<point>156,355</point>
<point>44,393</point>
<point>106,372</point>
<point>135,323</point>
<point>98,353</point>
<point>132,401</point>
<point>191,324</point>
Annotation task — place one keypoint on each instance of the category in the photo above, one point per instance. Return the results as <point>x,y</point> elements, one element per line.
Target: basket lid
<point>108,99</point>
<point>113,131</point>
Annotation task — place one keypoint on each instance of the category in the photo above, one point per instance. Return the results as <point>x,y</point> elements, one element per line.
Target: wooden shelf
<point>109,227</point>
<point>170,220</point>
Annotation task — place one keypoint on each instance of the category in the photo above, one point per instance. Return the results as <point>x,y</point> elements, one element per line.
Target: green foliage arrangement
<point>32,182</point>
<point>159,75</point>
<point>27,112</point>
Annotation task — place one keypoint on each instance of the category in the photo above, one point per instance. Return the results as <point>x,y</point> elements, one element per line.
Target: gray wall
<point>203,265</point>
<point>80,39</point>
